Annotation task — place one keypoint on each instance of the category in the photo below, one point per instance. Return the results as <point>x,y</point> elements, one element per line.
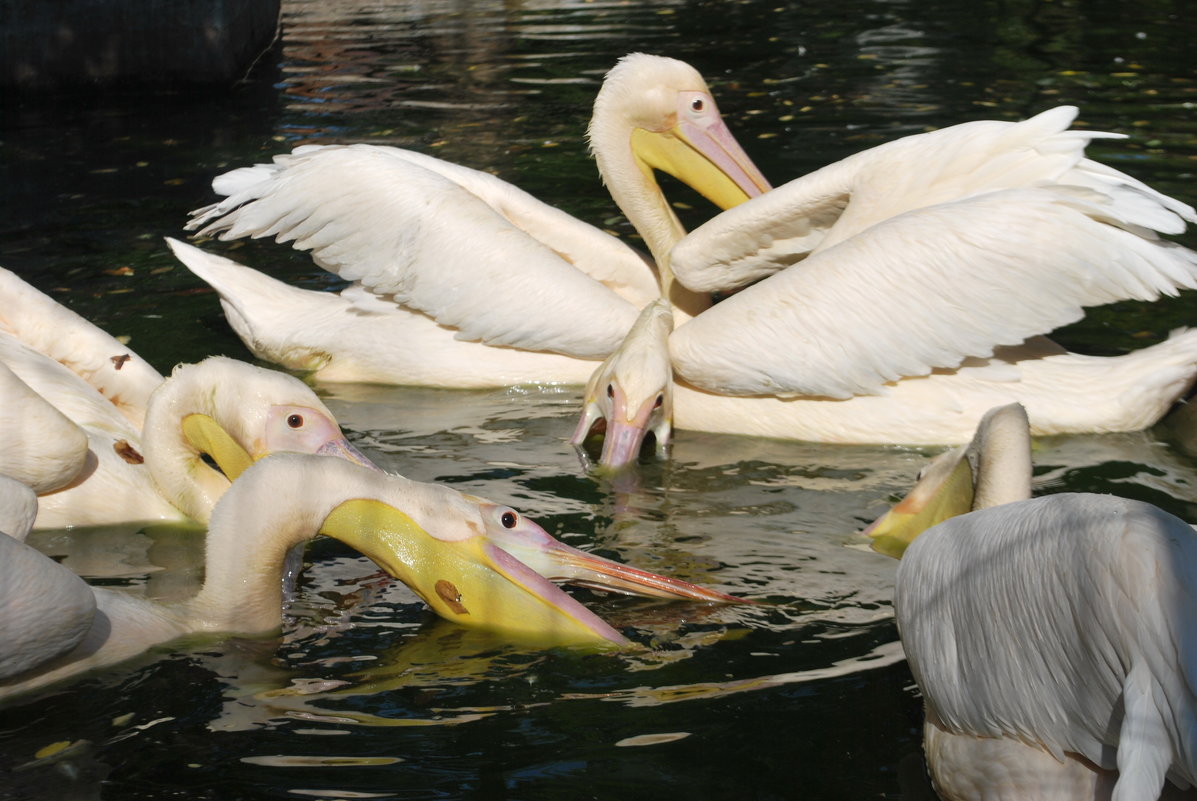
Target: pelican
<point>633,394</point>
<point>137,452</point>
<point>488,285</point>
<point>1050,637</point>
<point>965,245</point>
<point>453,550</point>
<point>895,296</point>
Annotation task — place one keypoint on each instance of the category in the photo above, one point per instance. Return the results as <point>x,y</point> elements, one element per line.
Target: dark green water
<point>364,696</point>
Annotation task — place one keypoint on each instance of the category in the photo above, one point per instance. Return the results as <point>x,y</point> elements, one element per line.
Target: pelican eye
<point>659,402</point>
<point>295,420</point>
<point>610,390</point>
<point>509,519</point>
<point>696,104</point>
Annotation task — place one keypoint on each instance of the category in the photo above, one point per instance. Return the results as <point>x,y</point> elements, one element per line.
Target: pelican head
<point>232,414</point>
<point>656,113</point>
<point>994,468</point>
<point>460,554</point>
<point>631,392</point>
<point>675,126</point>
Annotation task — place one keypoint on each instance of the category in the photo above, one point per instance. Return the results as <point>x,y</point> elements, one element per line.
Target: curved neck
<point>248,541</point>
<point>1001,452</point>
<point>176,467</point>
<point>639,196</point>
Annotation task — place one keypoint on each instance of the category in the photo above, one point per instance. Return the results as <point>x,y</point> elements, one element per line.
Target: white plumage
<point>106,447</point>
<point>452,254</point>
<point>1052,638</point>
<point>1065,623</point>
<point>55,627</point>
<point>908,283</point>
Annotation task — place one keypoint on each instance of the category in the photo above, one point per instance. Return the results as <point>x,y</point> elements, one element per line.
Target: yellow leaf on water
<point>52,749</point>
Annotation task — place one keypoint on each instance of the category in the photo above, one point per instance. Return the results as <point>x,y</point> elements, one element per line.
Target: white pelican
<point>453,550</point>
<point>1051,638</point>
<point>458,262</point>
<point>902,292</point>
<point>137,452</point>
<point>631,394</point>
<point>984,235</point>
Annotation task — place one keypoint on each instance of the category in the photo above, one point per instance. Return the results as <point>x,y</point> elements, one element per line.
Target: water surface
<point>364,695</point>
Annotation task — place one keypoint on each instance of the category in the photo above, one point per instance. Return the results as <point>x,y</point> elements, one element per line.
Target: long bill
<point>470,581</point>
<point>555,560</point>
<point>700,150</point>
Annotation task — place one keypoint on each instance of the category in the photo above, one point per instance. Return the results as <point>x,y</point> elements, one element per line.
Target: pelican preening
<point>1051,637</point>
<point>964,245</point>
<point>137,452</point>
<point>454,550</point>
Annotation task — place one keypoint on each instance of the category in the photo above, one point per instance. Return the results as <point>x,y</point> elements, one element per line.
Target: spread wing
<point>384,218</point>
<point>931,287</point>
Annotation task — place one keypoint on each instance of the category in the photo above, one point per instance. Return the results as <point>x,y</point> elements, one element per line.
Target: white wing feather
<point>928,288</point>
<point>381,217</point>
<point>1066,622</point>
<point>113,369</point>
<point>839,201</point>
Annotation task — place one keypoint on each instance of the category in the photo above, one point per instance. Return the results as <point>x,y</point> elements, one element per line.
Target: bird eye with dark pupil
<point>295,420</point>
<point>696,104</point>
<point>660,400</point>
<point>509,519</point>
<point>610,391</point>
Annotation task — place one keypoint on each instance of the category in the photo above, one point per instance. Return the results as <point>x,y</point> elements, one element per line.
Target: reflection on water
<point>363,694</point>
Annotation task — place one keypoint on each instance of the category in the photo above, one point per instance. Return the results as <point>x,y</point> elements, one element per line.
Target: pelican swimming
<point>454,550</point>
<point>634,394</point>
<point>965,245</point>
<point>114,469</point>
<point>1050,637</point>
<point>895,296</point>
<point>489,285</point>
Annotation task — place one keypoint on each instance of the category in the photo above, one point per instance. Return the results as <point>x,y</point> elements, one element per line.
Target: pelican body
<point>1051,637</point>
<point>455,551</point>
<point>967,245</point>
<point>1062,625</point>
<point>104,438</point>
<point>489,285</point>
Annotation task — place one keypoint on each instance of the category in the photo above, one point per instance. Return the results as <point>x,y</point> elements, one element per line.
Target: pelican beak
<point>621,443</point>
<point>207,436</point>
<point>471,581</point>
<point>344,449</point>
<point>624,433</point>
<point>553,559</point>
<point>699,150</point>
<point>945,489</point>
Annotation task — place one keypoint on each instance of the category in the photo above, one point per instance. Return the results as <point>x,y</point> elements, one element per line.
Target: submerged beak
<point>621,443</point>
<point>946,489</point>
<point>470,581</point>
